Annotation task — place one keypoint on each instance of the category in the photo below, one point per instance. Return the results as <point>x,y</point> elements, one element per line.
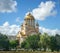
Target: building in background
<point>11,37</point>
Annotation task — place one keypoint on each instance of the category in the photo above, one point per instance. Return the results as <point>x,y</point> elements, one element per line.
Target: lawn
<point>26,52</point>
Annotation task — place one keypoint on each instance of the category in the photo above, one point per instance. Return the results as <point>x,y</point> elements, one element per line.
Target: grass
<point>26,52</point>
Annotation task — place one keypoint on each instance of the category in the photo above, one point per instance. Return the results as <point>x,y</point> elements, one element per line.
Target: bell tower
<point>37,27</point>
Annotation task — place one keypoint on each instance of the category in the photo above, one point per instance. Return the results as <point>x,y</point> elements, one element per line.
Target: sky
<point>46,12</point>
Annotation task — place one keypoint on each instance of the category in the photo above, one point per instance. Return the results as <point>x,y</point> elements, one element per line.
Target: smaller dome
<point>22,33</point>
<point>37,24</point>
<point>29,16</point>
<point>25,23</point>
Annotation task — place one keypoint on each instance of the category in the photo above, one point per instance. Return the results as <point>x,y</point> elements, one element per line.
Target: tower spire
<point>37,23</point>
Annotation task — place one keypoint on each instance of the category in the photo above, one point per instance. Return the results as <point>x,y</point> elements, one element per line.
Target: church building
<point>29,27</point>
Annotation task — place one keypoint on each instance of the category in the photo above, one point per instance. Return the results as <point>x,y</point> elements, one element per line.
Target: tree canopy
<point>4,42</point>
<point>31,42</point>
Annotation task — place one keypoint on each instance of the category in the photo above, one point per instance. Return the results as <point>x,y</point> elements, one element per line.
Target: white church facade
<point>29,27</point>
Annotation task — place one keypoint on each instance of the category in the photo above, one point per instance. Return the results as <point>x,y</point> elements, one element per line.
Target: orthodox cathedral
<point>29,27</point>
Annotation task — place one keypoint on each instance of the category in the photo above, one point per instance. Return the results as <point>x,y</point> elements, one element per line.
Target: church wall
<point>29,28</point>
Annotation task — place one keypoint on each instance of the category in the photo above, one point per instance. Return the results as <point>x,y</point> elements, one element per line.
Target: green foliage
<point>13,43</point>
<point>25,45</point>
<point>31,42</point>
<point>57,42</point>
<point>52,43</point>
<point>44,41</point>
<point>34,42</point>
<point>4,42</point>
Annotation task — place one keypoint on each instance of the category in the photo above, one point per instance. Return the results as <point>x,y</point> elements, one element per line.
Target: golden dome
<point>22,33</point>
<point>29,16</point>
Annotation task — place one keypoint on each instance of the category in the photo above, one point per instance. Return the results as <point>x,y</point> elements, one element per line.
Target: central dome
<point>29,16</point>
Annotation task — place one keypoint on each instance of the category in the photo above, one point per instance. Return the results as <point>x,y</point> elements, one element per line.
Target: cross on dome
<point>29,16</point>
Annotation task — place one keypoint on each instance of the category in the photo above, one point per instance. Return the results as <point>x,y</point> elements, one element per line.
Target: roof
<point>29,16</point>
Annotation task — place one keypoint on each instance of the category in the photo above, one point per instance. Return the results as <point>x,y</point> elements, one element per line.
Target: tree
<point>4,42</point>
<point>14,44</point>
<point>44,41</point>
<point>57,36</point>
<point>25,45</point>
<point>31,42</point>
<point>53,44</point>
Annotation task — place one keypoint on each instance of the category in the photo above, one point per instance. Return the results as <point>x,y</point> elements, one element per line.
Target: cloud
<point>8,5</point>
<point>49,31</point>
<point>6,24</point>
<point>8,29</point>
<point>44,10</point>
<point>18,19</point>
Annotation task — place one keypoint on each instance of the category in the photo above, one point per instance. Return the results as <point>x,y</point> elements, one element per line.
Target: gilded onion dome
<point>29,16</point>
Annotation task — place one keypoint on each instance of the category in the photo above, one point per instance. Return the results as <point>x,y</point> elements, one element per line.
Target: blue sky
<point>12,12</point>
